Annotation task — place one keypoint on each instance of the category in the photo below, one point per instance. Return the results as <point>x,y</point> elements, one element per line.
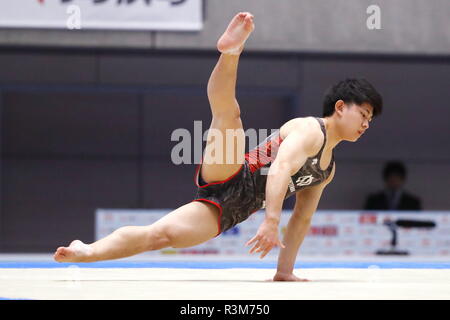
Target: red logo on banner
<point>329,231</point>
<point>368,218</point>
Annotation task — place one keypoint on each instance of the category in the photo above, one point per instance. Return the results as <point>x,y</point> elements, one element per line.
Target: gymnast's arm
<point>306,204</point>
<point>291,156</point>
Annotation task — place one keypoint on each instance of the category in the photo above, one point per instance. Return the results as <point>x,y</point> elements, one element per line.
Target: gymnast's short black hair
<point>357,91</point>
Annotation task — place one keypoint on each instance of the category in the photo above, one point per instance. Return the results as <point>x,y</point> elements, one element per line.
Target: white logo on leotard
<point>291,186</point>
<point>314,161</point>
<point>304,180</point>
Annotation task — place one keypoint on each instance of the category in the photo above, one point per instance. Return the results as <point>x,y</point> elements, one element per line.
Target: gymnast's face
<point>354,119</point>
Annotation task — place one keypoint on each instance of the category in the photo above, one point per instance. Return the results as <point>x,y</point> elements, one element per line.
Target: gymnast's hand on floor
<point>265,239</point>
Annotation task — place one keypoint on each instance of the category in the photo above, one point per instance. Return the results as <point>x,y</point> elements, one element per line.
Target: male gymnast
<point>296,159</point>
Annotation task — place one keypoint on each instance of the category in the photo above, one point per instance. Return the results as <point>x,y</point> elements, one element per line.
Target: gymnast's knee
<point>160,237</point>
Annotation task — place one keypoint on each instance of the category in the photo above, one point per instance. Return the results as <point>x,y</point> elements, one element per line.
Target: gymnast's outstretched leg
<point>187,226</point>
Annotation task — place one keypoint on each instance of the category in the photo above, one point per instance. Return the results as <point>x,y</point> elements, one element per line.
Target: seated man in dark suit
<point>393,197</point>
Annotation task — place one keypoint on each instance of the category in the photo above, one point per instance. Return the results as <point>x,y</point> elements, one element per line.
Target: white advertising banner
<point>182,15</point>
<point>342,233</point>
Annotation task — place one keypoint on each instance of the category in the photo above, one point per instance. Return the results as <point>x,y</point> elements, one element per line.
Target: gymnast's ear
<point>339,107</point>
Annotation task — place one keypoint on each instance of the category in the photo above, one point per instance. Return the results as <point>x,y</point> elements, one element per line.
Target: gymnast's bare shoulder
<point>307,127</point>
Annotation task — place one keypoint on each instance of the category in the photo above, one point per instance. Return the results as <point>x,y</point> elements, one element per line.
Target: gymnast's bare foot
<point>287,277</point>
<point>239,29</point>
<point>77,251</point>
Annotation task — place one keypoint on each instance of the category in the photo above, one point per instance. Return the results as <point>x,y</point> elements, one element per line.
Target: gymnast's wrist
<point>272,218</point>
